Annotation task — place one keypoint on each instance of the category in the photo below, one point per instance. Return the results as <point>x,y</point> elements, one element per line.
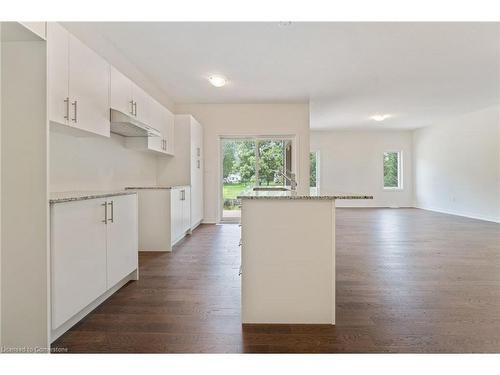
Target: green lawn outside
<point>231,191</point>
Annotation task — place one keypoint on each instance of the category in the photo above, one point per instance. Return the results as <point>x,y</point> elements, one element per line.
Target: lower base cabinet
<point>164,216</point>
<point>180,212</point>
<point>94,245</point>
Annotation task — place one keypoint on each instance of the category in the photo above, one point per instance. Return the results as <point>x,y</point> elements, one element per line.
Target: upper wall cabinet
<point>79,82</point>
<point>121,93</point>
<point>130,99</point>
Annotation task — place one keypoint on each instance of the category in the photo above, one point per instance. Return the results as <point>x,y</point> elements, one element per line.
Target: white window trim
<point>400,171</point>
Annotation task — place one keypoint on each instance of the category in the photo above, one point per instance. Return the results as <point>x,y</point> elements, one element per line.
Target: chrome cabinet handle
<point>198,164</point>
<point>75,112</point>
<point>105,205</point>
<point>135,109</point>
<point>66,116</point>
<point>131,107</point>
<point>112,204</point>
<point>198,151</point>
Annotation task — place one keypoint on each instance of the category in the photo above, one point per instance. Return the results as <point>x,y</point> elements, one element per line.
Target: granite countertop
<point>291,195</point>
<point>70,196</point>
<point>154,187</point>
<point>149,187</point>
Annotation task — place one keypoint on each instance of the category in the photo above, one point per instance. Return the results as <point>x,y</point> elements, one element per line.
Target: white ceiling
<point>418,72</point>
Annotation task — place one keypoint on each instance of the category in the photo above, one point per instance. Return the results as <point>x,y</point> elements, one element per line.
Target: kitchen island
<point>288,257</point>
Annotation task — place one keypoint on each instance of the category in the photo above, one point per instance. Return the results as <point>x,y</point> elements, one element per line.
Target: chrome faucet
<point>290,177</point>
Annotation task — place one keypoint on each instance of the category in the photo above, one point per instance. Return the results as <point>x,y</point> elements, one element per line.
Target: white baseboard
<point>196,225</point>
<point>209,220</point>
<point>462,214</point>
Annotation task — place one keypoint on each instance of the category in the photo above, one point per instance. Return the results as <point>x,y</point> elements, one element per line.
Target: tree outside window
<point>392,170</point>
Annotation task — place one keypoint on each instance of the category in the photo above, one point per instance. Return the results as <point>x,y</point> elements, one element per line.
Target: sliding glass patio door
<point>250,162</point>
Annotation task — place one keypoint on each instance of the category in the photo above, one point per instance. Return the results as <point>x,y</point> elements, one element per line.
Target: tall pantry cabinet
<point>187,167</point>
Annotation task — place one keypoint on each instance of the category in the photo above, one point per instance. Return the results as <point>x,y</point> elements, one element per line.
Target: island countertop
<point>291,195</point>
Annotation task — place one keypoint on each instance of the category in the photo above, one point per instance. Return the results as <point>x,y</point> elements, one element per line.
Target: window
<point>392,170</point>
<point>314,172</point>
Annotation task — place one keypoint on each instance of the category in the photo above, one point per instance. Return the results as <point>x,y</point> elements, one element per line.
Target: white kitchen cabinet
<point>180,212</point>
<point>78,257</point>
<point>131,100</point>
<point>168,119</point>
<point>187,167</point>
<point>121,92</point>
<point>88,89</point>
<point>122,238</point>
<point>93,247</point>
<point>164,216</point>
<point>186,210</point>
<point>196,169</point>
<point>143,106</point>
<point>156,115</point>
<point>78,82</point>
<point>58,73</point>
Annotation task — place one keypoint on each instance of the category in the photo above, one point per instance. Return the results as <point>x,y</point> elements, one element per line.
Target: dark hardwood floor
<point>408,281</point>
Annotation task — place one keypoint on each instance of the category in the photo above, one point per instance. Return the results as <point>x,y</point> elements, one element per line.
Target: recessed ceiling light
<point>217,80</point>
<point>380,118</point>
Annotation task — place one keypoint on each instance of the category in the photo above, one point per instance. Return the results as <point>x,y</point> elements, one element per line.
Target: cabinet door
<point>143,103</point>
<point>78,257</point>
<point>168,123</point>
<point>176,212</point>
<point>121,92</point>
<point>88,89</point>
<point>186,210</point>
<point>58,70</point>
<point>122,239</point>
<point>156,121</point>
<point>196,173</point>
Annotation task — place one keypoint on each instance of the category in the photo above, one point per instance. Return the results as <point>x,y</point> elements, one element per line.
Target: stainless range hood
<point>128,126</point>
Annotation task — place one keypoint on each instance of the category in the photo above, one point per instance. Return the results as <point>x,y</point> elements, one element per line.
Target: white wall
<point>352,162</point>
<point>24,210</point>
<point>457,165</point>
<point>97,163</point>
<point>247,119</point>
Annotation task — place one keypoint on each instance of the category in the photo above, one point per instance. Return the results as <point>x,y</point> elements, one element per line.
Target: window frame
<point>400,171</point>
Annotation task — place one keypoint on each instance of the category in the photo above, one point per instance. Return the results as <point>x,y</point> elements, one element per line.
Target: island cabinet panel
<point>78,256</point>
<point>288,261</point>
